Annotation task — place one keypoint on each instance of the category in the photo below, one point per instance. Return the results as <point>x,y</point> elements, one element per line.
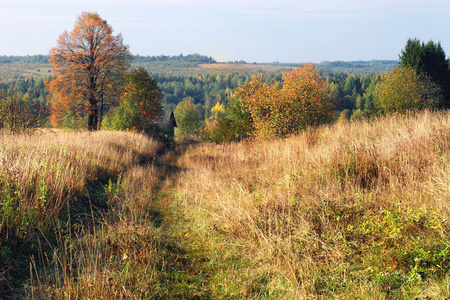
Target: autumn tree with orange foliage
<point>301,100</point>
<point>90,64</point>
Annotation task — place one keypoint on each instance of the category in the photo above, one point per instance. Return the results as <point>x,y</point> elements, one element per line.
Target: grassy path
<point>186,272</point>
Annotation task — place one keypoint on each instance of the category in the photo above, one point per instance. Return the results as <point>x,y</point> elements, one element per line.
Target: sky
<point>287,31</point>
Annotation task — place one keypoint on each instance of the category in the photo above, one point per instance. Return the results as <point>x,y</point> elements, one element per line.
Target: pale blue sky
<point>251,30</point>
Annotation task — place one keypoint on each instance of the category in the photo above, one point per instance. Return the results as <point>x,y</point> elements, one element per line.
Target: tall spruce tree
<point>428,60</point>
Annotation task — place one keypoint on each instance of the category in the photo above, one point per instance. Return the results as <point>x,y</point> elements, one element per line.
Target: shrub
<point>403,90</point>
<point>301,100</point>
<point>187,117</point>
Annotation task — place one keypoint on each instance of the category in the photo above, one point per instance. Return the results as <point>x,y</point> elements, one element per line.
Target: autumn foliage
<point>144,91</point>
<point>404,90</point>
<point>90,63</point>
<point>140,106</point>
<point>301,100</point>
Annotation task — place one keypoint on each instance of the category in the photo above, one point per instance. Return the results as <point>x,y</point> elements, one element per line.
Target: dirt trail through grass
<point>185,274</point>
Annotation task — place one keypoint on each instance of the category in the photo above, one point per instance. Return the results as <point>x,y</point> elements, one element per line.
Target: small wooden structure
<point>167,123</point>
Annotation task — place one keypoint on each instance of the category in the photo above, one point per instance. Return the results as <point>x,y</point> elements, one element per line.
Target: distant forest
<point>197,58</point>
<point>352,83</point>
<point>191,59</point>
<point>43,59</point>
<point>29,59</point>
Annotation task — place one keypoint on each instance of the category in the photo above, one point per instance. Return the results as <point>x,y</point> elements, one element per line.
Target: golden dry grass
<point>349,209</point>
<point>66,162</point>
<point>50,176</point>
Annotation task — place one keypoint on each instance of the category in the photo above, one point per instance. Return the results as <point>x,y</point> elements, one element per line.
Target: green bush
<point>188,119</point>
<point>403,90</point>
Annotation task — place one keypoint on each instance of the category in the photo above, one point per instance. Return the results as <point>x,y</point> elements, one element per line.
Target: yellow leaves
<point>301,100</point>
<point>402,90</point>
<point>218,110</point>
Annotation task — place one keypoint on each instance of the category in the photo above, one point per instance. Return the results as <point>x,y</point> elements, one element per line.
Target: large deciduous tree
<point>90,63</point>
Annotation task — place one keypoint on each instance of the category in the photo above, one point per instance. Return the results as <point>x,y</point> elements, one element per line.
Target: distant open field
<point>225,67</point>
<point>211,68</point>
<point>11,71</point>
<point>17,70</point>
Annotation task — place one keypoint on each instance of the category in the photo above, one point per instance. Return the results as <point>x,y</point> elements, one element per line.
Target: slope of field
<point>357,211</point>
<point>12,71</point>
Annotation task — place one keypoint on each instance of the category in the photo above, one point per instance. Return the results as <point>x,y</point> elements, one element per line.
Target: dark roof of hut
<point>168,119</point>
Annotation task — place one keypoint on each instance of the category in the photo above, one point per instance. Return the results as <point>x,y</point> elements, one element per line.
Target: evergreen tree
<point>428,60</point>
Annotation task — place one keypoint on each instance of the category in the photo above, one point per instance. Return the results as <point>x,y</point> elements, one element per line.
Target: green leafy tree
<point>187,117</point>
<point>369,94</point>
<point>428,60</point>
<point>140,106</point>
<point>404,90</point>
<point>125,117</point>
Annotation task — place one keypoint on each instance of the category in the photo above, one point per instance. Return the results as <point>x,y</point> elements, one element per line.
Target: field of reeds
<point>347,211</point>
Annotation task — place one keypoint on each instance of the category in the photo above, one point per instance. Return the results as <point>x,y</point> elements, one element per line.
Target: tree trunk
<point>92,114</point>
<point>93,104</point>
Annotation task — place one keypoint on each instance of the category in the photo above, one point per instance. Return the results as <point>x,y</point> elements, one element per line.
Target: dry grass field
<point>10,72</point>
<point>350,211</point>
<point>357,211</point>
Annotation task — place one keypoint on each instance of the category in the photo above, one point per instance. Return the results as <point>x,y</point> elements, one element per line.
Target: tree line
<point>29,59</point>
<point>174,59</point>
<point>305,98</point>
<point>95,85</point>
<point>196,58</point>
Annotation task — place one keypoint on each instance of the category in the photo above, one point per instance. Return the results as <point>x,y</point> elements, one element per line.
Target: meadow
<point>349,211</point>
<point>346,211</point>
